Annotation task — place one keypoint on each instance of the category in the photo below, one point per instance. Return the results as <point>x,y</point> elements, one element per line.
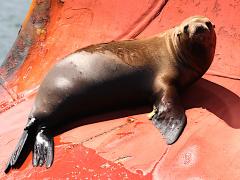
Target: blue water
<point>12,14</point>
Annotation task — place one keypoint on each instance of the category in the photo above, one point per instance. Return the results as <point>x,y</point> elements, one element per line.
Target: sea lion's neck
<point>184,58</point>
<point>185,55</point>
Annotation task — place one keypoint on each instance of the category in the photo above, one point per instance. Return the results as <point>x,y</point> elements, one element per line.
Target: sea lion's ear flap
<point>179,34</point>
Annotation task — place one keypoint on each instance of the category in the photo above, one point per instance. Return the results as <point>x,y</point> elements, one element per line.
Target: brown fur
<point>116,74</point>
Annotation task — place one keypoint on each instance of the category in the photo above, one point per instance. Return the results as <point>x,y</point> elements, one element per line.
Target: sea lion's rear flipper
<point>169,116</point>
<point>43,149</point>
<point>23,147</point>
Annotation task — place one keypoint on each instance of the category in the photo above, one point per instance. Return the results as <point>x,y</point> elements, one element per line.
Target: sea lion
<point>115,74</point>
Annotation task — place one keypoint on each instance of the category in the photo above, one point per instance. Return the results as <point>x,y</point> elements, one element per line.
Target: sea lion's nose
<point>201,29</point>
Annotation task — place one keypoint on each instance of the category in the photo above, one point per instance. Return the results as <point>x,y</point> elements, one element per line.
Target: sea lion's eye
<point>185,29</point>
<point>209,25</point>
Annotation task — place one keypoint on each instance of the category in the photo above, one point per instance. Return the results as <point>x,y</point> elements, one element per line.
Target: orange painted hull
<point>126,147</point>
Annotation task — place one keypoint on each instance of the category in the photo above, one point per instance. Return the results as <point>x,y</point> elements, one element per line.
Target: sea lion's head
<point>195,41</point>
<point>197,29</point>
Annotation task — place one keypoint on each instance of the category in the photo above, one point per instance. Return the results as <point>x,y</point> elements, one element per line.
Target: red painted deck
<point>126,147</point>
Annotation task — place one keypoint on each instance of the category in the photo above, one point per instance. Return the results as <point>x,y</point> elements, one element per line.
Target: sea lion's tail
<point>22,149</point>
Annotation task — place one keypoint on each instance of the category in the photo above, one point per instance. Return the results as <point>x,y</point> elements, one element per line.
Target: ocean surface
<point>12,14</point>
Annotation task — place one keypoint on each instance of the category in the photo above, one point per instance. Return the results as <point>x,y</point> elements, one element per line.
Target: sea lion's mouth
<point>201,33</point>
<point>201,37</point>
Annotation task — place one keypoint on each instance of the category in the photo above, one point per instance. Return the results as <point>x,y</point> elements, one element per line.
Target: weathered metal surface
<point>127,147</point>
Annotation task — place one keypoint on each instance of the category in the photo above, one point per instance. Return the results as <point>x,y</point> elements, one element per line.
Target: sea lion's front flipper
<point>169,116</point>
<point>43,149</point>
<point>22,147</point>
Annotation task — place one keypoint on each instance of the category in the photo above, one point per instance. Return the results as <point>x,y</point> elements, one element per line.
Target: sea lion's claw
<point>41,155</point>
<point>49,154</point>
<point>170,123</point>
<point>8,167</point>
<point>43,149</point>
<point>35,156</point>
